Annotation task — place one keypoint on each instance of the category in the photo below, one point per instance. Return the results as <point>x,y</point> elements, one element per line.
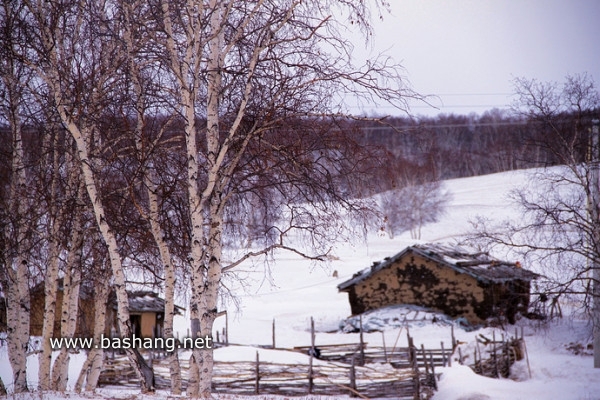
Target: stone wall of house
<point>420,281</point>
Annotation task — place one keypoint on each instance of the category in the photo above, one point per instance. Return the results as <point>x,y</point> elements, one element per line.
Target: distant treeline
<point>395,152</point>
<point>454,146</point>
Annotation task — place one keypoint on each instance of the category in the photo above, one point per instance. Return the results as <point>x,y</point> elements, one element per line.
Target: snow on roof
<point>147,301</point>
<point>479,265</point>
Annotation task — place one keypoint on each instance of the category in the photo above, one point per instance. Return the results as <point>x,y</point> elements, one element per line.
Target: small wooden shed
<point>84,326</point>
<point>146,313</point>
<point>146,310</point>
<point>449,279</point>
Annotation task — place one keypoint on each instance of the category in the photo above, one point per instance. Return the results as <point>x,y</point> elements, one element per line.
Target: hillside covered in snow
<point>288,291</point>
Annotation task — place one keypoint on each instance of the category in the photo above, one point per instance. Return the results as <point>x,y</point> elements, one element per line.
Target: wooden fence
<point>494,358</point>
<point>399,357</point>
<point>259,377</point>
<point>344,369</point>
<point>355,369</point>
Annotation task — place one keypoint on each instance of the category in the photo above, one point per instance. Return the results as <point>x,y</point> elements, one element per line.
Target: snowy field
<point>291,291</point>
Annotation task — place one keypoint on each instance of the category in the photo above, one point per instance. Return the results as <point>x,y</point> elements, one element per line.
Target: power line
<point>461,125</point>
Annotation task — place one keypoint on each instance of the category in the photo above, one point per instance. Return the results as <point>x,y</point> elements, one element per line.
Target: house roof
<point>146,301</point>
<point>86,291</point>
<point>480,266</point>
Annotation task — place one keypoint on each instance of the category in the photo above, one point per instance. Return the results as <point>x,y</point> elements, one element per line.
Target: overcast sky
<point>468,51</point>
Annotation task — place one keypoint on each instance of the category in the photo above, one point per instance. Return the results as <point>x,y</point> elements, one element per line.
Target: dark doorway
<point>136,325</point>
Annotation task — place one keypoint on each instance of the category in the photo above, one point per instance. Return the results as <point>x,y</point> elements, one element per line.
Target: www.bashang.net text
<point>133,342</point>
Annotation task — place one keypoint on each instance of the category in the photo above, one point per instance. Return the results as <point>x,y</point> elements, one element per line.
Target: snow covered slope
<point>292,290</point>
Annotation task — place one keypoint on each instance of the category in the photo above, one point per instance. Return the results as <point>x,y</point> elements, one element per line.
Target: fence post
<point>352,379</point>
<point>310,375</point>
<point>412,351</point>
<point>507,355</point>
<point>362,342</point>
<point>312,334</point>
<point>433,379</point>
<point>443,355</point>
<point>497,370</point>
<point>312,352</point>
<point>526,354</point>
<point>257,373</point>
<point>273,332</point>
<point>384,349</point>
<point>226,328</point>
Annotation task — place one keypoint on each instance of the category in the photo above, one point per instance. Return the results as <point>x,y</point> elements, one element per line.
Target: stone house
<point>448,279</point>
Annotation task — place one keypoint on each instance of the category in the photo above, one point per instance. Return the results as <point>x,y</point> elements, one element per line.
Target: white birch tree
<point>92,367</point>
<point>255,89</point>
<point>54,216</point>
<point>81,70</point>
<point>14,274</point>
<point>135,19</point>
<point>240,68</point>
<point>71,280</point>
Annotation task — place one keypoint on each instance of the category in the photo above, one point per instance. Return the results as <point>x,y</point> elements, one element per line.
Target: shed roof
<point>479,265</point>
<point>146,301</point>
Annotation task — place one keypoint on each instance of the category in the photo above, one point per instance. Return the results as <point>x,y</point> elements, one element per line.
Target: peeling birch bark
<point>16,275</point>
<point>51,279</point>
<point>153,214</point>
<point>18,315</point>
<point>90,372</point>
<point>70,303</point>
<point>81,132</point>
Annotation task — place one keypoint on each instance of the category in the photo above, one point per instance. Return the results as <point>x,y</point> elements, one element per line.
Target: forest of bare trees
<point>142,140</point>
<point>559,228</point>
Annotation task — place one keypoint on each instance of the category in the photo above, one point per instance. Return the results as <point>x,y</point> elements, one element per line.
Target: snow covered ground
<point>291,291</point>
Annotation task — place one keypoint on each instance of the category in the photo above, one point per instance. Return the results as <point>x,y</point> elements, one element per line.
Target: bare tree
<point>92,367</point>
<point>243,68</point>
<point>559,229</point>
<point>72,277</point>
<point>81,72</point>
<point>413,206</point>
<point>135,17</point>
<point>253,91</point>
<point>14,271</point>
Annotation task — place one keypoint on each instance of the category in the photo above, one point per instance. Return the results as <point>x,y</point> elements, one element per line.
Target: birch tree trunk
<point>70,307</point>
<point>51,278</point>
<point>149,178</point>
<point>71,287</point>
<point>18,316</point>
<point>165,255</point>
<point>16,271</point>
<point>186,71</point>
<point>55,44</point>
<point>144,372</point>
<point>92,367</point>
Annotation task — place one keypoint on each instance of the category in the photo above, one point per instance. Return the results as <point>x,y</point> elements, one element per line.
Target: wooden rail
<point>256,377</point>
